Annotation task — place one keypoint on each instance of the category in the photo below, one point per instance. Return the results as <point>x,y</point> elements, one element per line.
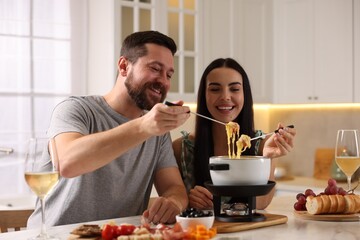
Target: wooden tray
<point>76,237</point>
<point>228,227</point>
<point>328,217</point>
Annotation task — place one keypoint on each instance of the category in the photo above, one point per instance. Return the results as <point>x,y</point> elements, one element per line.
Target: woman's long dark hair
<point>204,146</point>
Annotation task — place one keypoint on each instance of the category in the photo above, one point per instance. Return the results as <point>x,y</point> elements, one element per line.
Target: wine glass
<point>41,174</point>
<point>347,155</point>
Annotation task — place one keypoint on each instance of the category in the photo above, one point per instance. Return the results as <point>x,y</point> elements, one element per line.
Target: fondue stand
<point>243,195</point>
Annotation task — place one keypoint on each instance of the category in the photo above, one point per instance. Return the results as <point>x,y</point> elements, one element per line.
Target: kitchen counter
<point>294,185</point>
<point>294,229</point>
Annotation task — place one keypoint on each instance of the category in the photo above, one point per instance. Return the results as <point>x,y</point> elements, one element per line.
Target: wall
<point>316,127</point>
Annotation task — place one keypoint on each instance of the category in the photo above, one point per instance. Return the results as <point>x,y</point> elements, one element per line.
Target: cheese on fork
<point>232,132</point>
<point>244,142</point>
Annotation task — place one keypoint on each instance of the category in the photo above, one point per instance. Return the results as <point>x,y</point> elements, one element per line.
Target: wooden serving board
<point>328,217</point>
<point>76,237</point>
<point>228,227</point>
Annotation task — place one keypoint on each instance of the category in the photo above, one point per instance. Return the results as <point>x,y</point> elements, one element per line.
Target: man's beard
<point>138,94</point>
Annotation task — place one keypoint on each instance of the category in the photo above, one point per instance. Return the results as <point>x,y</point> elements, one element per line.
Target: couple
<point>113,148</point>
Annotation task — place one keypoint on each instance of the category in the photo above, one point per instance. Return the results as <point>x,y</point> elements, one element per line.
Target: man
<point>113,148</point>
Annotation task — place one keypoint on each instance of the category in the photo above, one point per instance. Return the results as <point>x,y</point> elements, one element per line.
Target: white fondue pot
<point>248,170</point>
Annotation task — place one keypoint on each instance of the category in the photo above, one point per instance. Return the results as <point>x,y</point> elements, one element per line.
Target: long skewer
<point>198,114</point>
<point>271,133</point>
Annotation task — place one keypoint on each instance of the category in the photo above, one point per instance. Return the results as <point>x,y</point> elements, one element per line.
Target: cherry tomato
<point>107,232</point>
<point>125,229</point>
<point>116,231</point>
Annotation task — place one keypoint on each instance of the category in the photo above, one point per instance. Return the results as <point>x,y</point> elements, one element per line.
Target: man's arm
<point>172,197</point>
<point>79,154</point>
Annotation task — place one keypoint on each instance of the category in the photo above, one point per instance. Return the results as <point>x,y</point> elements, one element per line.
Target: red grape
<point>332,182</point>
<point>333,190</point>
<point>309,192</point>
<point>302,200</point>
<point>341,191</point>
<point>300,195</point>
<point>298,206</point>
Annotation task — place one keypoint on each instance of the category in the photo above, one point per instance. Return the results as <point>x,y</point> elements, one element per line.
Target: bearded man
<point>112,149</point>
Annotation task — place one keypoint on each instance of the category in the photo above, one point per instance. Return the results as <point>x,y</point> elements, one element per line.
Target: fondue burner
<point>242,204</point>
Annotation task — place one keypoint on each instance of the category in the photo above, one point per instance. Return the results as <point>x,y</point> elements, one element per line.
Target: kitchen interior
<point>302,58</point>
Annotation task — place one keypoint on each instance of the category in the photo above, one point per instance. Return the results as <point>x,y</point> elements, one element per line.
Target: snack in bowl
<point>192,217</point>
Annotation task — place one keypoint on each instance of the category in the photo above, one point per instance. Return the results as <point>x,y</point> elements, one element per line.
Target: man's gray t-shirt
<point>119,189</point>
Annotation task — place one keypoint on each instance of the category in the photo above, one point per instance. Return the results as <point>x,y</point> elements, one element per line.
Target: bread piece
<point>87,230</point>
<point>350,204</point>
<point>333,203</point>
<point>314,205</point>
<point>341,203</point>
<point>328,204</point>
<point>325,203</point>
<point>357,201</point>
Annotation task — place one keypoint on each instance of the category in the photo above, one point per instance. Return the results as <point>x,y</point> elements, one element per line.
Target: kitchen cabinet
<point>313,51</point>
<point>242,30</point>
<point>294,51</point>
<point>357,50</point>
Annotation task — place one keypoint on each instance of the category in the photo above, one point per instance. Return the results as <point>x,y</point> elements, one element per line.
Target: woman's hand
<point>200,198</point>
<point>280,143</point>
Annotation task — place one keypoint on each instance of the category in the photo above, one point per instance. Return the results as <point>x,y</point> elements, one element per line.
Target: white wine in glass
<point>347,155</point>
<point>42,174</point>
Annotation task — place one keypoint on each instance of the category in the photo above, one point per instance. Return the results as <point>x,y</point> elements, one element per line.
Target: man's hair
<point>133,46</point>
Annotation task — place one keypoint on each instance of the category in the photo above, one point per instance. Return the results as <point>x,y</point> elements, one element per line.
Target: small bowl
<point>191,222</point>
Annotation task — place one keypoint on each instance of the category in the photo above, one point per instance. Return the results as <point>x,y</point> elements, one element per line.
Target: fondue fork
<point>271,133</point>
<point>198,114</point>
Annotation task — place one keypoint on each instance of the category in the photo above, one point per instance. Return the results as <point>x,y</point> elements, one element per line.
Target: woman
<point>225,95</point>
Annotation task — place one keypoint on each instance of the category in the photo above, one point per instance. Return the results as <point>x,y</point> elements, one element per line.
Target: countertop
<point>294,229</point>
<point>294,185</point>
<point>282,204</point>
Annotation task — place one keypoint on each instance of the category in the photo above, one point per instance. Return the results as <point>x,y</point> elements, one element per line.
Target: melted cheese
<point>233,132</point>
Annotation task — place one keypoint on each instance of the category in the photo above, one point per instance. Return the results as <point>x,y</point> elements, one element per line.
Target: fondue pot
<point>240,181</point>
<point>248,170</point>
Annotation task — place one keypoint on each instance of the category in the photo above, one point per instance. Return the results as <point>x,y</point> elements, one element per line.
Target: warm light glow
<point>308,106</point>
<point>297,106</point>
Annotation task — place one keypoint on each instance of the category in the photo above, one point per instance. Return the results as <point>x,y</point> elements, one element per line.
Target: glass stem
<point>349,183</point>
<point>43,226</point>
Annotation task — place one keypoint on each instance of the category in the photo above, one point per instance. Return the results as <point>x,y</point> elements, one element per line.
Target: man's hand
<point>162,210</point>
<point>161,118</point>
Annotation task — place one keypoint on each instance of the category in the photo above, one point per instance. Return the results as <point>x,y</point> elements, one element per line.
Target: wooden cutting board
<point>328,217</point>
<point>76,237</point>
<point>228,227</point>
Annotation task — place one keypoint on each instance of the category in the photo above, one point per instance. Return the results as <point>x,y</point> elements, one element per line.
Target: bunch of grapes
<point>299,205</point>
<point>331,189</point>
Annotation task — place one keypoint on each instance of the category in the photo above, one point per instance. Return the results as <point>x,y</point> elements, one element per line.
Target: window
<point>41,62</point>
<point>177,18</point>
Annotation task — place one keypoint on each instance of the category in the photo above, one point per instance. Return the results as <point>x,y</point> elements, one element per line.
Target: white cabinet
<point>357,50</point>
<point>241,30</point>
<point>313,51</point>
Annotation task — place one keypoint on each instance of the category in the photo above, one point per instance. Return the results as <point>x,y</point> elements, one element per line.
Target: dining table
<point>294,228</point>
